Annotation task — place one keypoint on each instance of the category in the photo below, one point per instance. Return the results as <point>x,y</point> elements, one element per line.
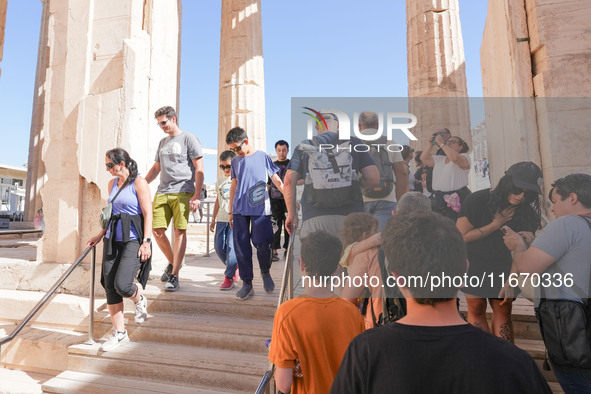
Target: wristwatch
<point>148,240</point>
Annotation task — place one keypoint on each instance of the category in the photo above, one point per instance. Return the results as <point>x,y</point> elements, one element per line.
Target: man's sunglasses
<point>238,148</point>
<point>225,167</point>
<point>164,122</point>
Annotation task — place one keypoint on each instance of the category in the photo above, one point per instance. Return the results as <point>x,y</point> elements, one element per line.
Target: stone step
<point>70,382</point>
<point>189,366</point>
<point>64,311</point>
<point>15,381</point>
<point>225,305</point>
<point>227,332</point>
<point>39,349</point>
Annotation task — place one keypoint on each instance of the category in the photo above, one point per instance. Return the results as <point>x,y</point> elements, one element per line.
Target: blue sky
<point>311,48</point>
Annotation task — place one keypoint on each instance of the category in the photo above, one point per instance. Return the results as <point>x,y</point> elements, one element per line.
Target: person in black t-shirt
<point>432,349</point>
<point>513,202</point>
<point>278,208</point>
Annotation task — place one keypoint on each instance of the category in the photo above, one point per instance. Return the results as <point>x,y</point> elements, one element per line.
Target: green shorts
<point>167,206</point>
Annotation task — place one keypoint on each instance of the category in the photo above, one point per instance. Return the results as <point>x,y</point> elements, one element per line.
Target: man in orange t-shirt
<point>312,332</point>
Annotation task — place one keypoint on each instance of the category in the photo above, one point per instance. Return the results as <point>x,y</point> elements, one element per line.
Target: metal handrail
<point>51,293</point>
<point>285,294</point>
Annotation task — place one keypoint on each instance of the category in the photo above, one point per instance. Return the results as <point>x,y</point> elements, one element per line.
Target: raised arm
<point>426,156</point>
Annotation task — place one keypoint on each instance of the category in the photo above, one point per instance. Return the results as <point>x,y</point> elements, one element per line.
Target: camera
<point>433,142</point>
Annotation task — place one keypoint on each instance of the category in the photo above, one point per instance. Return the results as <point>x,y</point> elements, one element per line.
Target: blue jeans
<point>381,209</point>
<point>573,380</point>
<point>224,247</point>
<point>259,230</point>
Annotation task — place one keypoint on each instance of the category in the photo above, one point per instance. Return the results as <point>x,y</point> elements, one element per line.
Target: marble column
<point>436,68</point>
<point>102,72</point>
<point>242,87</point>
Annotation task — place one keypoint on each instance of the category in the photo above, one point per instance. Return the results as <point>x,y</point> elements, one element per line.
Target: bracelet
<point>441,146</point>
<point>481,232</point>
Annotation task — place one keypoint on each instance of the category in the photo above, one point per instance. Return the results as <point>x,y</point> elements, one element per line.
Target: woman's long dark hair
<point>527,216</point>
<point>118,155</point>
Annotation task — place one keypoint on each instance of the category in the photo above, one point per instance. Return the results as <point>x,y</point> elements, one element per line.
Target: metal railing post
<point>207,233</point>
<point>91,298</point>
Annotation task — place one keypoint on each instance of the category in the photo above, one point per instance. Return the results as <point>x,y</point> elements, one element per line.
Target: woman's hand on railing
<point>94,240</point>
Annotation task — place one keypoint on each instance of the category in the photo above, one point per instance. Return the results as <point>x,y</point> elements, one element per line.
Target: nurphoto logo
<point>392,120</point>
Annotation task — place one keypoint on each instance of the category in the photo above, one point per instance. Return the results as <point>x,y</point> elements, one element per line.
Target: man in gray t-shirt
<point>178,161</point>
<point>562,248</point>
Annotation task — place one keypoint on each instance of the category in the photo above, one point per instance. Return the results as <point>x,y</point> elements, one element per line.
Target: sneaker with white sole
<point>245,292</point>
<point>172,284</point>
<point>116,339</point>
<point>141,312</point>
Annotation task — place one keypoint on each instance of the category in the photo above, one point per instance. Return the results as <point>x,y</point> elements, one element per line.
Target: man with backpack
<point>333,173</point>
<point>431,349</point>
<point>278,208</point>
<point>560,257</point>
<point>380,200</point>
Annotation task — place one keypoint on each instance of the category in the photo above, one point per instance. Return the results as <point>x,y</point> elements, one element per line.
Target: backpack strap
<point>330,154</point>
<point>122,187</point>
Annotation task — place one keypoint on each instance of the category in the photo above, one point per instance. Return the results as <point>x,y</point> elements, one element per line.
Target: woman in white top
<point>450,173</point>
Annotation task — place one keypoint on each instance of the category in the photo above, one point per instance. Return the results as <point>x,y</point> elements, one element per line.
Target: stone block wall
<point>540,51</point>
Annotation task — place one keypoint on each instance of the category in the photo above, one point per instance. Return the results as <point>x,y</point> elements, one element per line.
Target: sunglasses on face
<point>164,122</point>
<point>238,148</point>
<point>449,142</point>
<point>517,191</point>
<point>110,165</point>
<point>225,167</point>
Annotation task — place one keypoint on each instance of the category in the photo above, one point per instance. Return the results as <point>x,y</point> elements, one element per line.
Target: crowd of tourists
<point>365,214</point>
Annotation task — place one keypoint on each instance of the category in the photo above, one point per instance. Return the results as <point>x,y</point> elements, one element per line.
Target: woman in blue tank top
<point>127,243</point>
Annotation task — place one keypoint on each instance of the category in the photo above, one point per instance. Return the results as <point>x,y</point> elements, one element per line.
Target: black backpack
<point>394,303</point>
<point>386,183</point>
<point>565,325</point>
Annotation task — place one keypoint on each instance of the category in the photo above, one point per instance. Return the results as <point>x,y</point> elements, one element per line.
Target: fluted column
<point>436,68</point>
<point>242,87</point>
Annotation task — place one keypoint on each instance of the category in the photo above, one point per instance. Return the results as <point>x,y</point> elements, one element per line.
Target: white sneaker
<point>141,312</point>
<point>116,339</point>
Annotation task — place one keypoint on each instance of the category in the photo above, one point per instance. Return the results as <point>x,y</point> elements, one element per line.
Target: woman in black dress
<point>514,203</point>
